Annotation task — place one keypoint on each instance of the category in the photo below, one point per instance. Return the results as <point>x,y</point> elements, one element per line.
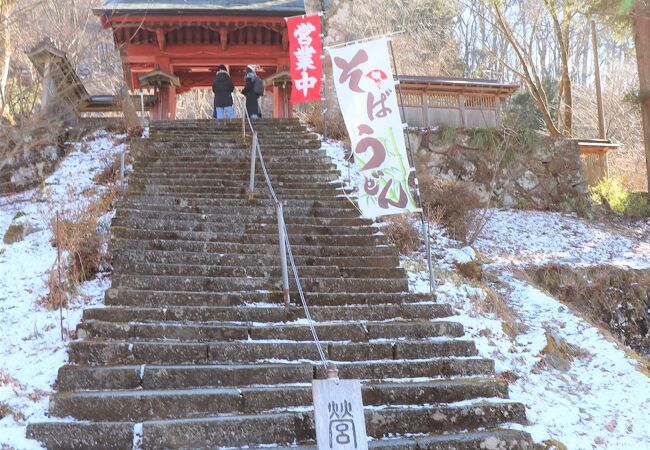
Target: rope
<point>303,300</point>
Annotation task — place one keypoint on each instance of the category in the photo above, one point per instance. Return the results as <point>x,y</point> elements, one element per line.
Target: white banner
<point>368,100</point>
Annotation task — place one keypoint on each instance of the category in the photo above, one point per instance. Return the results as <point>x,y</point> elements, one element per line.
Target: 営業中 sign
<point>305,51</point>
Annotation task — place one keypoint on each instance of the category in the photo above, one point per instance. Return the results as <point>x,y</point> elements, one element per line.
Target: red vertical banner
<point>305,51</point>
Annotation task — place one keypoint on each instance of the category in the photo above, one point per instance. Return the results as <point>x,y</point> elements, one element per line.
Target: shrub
<point>457,203</point>
<point>74,227</point>
<point>312,114</point>
<point>447,133</point>
<point>485,139</point>
<point>402,234</point>
<point>612,193</point>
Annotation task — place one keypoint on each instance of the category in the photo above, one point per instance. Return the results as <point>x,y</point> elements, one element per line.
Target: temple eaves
<point>282,8</point>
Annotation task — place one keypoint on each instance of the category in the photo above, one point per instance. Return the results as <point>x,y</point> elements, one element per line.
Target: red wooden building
<point>175,46</point>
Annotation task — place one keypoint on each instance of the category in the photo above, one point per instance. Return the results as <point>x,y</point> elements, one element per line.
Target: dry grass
<point>74,227</point>
<point>110,173</point>
<point>496,304</point>
<point>402,234</point>
<point>454,202</point>
<point>558,353</point>
<point>312,114</point>
<point>610,298</point>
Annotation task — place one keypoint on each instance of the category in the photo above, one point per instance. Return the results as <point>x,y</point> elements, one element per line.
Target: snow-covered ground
<point>31,348</point>
<point>532,237</point>
<point>603,400</point>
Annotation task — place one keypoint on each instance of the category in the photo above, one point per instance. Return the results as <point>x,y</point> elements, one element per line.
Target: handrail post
<point>144,123</point>
<point>122,165</point>
<point>251,182</point>
<point>243,120</point>
<point>283,254</point>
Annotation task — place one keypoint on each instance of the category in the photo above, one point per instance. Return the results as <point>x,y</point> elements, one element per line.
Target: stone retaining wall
<point>547,176</point>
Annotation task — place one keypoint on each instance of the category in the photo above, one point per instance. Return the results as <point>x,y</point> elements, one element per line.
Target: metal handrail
<point>283,235</point>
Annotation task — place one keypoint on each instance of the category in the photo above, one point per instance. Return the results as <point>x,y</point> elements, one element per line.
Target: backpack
<point>258,86</point>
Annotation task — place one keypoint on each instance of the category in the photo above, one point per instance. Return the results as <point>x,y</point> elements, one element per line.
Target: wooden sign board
<point>338,412</point>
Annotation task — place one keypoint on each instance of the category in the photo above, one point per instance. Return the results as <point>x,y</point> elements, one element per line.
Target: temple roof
<point>282,8</point>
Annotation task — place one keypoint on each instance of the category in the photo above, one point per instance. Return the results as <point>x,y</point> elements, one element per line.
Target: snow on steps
<point>196,352</point>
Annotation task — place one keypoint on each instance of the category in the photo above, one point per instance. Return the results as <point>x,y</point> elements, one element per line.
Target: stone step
<point>120,435</point>
<point>268,313</point>
<point>299,427</point>
<point>240,219</point>
<point>151,376</point>
<point>239,183</point>
<point>299,181</point>
<point>103,352</point>
<point>242,169</point>
<point>272,249</point>
<point>239,193</point>
<point>320,176</point>
<point>248,238</point>
<point>250,260</point>
<point>263,131</point>
<point>139,405</point>
<point>155,298</point>
<point>178,146</point>
<point>503,439</point>
<point>213,161</point>
<point>135,201</point>
<point>284,193</point>
<point>249,228</point>
<point>227,331</point>
<point>227,164</point>
<point>201,141</point>
<point>258,271</point>
<point>224,284</point>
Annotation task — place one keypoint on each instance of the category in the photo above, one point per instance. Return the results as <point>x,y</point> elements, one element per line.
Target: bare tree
<point>641,25</point>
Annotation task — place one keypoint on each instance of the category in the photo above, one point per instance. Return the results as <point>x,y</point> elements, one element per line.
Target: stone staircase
<point>195,348</point>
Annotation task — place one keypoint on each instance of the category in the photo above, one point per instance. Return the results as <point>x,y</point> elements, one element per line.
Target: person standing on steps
<point>253,90</point>
<point>223,88</point>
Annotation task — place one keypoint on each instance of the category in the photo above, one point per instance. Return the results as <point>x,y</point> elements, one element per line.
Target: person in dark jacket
<point>223,88</point>
<point>252,102</point>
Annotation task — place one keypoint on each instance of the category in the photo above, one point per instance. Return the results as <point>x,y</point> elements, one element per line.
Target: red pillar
<point>171,102</point>
<point>278,108</point>
<point>282,108</point>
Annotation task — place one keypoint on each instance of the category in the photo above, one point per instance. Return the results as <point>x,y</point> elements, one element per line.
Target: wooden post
<point>48,87</point>
<point>497,112</point>
<point>461,110</point>
<point>425,109</point>
<point>599,91</point>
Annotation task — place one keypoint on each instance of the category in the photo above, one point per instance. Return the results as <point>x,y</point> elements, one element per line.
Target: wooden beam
<point>203,52</point>
<point>120,21</point>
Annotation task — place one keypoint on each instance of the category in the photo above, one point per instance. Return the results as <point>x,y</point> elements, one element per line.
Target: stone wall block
<point>540,178</point>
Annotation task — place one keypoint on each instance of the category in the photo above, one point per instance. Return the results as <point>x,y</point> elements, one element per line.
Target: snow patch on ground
<point>533,237</point>
<point>31,348</point>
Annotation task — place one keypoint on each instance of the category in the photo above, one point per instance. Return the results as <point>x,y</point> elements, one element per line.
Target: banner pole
<point>322,41</point>
<point>425,223</point>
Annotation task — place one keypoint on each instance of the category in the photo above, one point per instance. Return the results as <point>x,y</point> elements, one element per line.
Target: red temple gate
<point>179,44</point>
